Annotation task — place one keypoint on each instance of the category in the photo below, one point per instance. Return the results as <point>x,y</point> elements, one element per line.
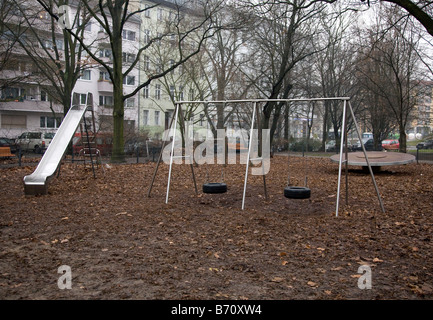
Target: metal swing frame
<point>347,107</point>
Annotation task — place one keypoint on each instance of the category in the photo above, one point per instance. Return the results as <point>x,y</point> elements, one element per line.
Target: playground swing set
<point>290,192</point>
<point>36,183</point>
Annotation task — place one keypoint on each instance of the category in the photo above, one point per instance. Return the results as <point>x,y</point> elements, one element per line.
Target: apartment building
<point>156,107</point>
<point>28,102</point>
<point>27,94</point>
<point>25,100</point>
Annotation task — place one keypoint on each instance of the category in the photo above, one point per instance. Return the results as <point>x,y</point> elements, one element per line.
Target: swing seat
<point>214,187</point>
<point>297,192</point>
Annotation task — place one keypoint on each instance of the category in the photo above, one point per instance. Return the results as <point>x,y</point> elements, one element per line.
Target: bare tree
<point>8,44</point>
<point>421,10</point>
<point>334,68</point>
<point>191,26</point>
<point>284,36</point>
<point>57,57</point>
<point>393,75</point>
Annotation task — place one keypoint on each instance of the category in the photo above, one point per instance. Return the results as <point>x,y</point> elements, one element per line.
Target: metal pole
<point>248,155</point>
<point>366,158</point>
<point>260,144</point>
<point>191,156</point>
<point>341,159</point>
<point>159,157</point>
<point>346,154</point>
<point>172,152</point>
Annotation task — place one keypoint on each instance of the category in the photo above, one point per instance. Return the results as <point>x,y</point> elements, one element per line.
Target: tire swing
<point>293,192</point>
<point>214,187</point>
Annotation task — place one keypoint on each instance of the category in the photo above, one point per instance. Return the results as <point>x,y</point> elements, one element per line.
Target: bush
<point>301,145</point>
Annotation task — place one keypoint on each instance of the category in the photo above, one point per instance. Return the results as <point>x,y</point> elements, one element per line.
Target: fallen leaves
<point>200,247</point>
<point>277,279</point>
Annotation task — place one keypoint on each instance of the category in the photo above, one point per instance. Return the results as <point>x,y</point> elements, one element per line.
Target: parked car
<point>330,146</point>
<point>428,144</point>
<point>6,142</point>
<point>134,145</point>
<point>104,143</point>
<point>390,144</point>
<point>356,146</point>
<point>368,145</point>
<point>35,141</point>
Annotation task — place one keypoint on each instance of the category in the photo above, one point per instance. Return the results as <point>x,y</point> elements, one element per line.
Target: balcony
<point>24,105</point>
<point>105,86</point>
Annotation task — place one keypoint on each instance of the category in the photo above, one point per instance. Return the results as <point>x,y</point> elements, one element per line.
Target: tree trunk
<point>118,108</point>
<point>286,127</point>
<point>402,140</point>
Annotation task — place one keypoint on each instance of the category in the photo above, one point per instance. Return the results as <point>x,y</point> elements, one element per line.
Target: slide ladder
<point>89,152</point>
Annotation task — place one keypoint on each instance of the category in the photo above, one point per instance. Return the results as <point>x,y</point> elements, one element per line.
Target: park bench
<point>5,152</point>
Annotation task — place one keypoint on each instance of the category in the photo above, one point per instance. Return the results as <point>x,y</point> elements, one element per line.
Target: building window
<point>128,35</point>
<point>49,122</point>
<point>128,57</point>
<point>47,44</point>
<point>171,62</point>
<point>146,36</point>
<point>105,53</point>
<point>146,92</point>
<point>147,11</point>
<point>201,119</point>
<point>130,103</point>
<point>10,93</point>
<point>160,14</point>
<point>129,80</point>
<point>146,63</point>
<point>172,92</point>
<point>86,75</point>
<point>104,75</point>
<point>181,93</point>
<point>59,44</point>
<point>191,94</point>
<point>145,117</point>
<point>106,101</point>
<point>158,68</point>
<point>83,99</point>
<point>157,91</point>
<point>157,118</point>
<point>13,121</point>
<point>44,96</point>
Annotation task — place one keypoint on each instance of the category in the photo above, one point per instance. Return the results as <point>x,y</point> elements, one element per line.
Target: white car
<point>330,146</point>
<point>34,141</point>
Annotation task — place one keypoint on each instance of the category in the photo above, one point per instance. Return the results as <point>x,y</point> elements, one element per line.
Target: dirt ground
<point>121,244</point>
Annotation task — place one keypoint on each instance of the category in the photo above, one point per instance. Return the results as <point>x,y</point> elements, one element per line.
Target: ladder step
<point>255,159</point>
<point>177,157</point>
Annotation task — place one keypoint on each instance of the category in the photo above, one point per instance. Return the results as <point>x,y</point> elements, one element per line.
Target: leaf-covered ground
<point>121,244</point>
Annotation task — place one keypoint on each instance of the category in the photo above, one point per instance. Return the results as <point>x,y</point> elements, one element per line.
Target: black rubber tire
<point>297,192</point>
<point>214,187</point>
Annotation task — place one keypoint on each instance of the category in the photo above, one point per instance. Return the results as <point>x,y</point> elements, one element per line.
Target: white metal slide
<point>36,183</point>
